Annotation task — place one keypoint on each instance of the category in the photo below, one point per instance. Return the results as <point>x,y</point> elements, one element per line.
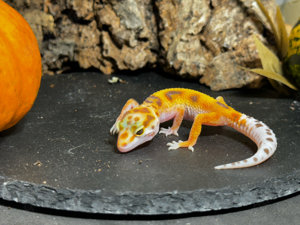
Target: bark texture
<point>203,39</point>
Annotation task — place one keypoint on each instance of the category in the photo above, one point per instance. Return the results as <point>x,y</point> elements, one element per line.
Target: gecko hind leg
<point>221,99</point>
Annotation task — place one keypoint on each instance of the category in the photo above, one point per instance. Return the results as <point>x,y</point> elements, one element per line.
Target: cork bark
<point>203,39</point>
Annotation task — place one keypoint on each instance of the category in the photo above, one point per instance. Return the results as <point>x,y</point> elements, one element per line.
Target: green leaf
<point>272,75</point>
<point>273,27</point>
<point>283,36</point>
<point>269,60</point>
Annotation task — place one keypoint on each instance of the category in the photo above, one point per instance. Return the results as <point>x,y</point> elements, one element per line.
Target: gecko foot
<point>168,131</point>
<point>114,129</point>
<point>175,145</point>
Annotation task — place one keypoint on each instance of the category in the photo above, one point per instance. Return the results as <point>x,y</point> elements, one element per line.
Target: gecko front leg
<point>205,118</point>
<point>178,117</point>
<point>130,104</point>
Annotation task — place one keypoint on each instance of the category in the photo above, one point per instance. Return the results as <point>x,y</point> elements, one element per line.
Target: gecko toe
<point>168,131</point>
<point>174,145</point>
<point>191,148</point>
<point>114,130</point>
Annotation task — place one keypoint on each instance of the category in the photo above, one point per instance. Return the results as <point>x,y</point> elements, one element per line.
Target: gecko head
<point>137,126</point>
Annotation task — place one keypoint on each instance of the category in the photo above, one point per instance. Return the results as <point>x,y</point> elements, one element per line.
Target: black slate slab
<point>62,156</point>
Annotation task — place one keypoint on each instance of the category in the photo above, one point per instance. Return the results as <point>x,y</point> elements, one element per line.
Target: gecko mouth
<point>123,146</point>
<point>126,147</point>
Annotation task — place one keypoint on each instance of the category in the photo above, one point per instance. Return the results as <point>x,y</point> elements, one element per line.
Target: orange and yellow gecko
<point>140,123</point>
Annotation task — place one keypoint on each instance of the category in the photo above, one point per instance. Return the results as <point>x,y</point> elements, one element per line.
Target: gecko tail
<point>258,132</point>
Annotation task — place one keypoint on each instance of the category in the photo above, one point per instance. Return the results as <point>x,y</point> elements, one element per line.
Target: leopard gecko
<point>140,123</point>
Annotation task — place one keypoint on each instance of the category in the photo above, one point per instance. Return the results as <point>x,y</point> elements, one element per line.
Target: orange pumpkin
<point>20,67</point>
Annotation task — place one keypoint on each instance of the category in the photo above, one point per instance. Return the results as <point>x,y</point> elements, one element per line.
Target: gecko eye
<point>140,132</point>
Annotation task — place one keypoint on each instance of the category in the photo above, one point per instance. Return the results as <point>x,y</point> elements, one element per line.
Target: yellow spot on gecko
<point>124,135</point>
<point>132,138</point>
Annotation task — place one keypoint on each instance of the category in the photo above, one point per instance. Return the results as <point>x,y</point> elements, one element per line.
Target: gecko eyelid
<point>140,132</point>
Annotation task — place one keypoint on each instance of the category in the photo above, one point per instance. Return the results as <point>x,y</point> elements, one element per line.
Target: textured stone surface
<point>61,155</point>
<point>202,39</point>
<point>150,203</point>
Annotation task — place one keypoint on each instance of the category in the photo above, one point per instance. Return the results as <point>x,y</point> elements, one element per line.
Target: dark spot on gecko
<point>268,130</point>
<point>154,106</point>
<point>145,110</point>
<point>233,164</point>
<point>128,122</point>
<point>258,125</point>
<point>129,117</point>
<point>148,100</point>
<point>270,139</point>
<point>235,118</point>
<point>136,119</point>
<point>152,127</point>
<point>141,110</point>
<point>151,98</point>
<point>267,151</point>
<point>148,120</point>
<point>245,160</point>
<point>170,93</point>
<point>269,133</point>
<point>255,159</point>
<point>221,104</point>
<point>194,98</point>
